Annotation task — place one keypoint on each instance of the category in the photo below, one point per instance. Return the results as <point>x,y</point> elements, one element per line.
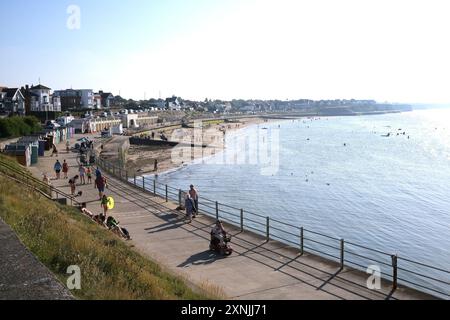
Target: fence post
<point>135,178</point>
<point>242,220</point>
<point>154,187</point>
<point>342,253</point>
<point>143,183</point>
<point>167,194</point>
<point>301,241</point>
<point>267,228</point>
<point>126,175</point>
<point>217,210</point>
<point>394,271</point>
<point>179,197</point>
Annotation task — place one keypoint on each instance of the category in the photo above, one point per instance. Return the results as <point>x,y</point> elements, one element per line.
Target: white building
<point>40,98</point>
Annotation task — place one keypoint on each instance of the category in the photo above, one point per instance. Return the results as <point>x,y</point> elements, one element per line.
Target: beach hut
<point>34,154</point>
<point>33,143</point>
<point>41,149</point>
<point>22,152</point>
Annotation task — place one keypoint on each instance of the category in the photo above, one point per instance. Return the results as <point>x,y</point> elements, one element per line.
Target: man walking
<point>194,196</point>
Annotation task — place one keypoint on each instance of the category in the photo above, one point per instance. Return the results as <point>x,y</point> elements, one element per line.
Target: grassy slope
<point>60,236</point>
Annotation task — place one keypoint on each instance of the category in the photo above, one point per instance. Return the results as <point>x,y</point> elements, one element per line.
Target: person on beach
<point>104,205</point>
<point>89,175</point>
<point>54,151</point>
<point>100,183</point>
<point>57,167</point>
<point>194,196</point>
<point>155,168</point>
<point>115,227</point>
<point>82,172</point>
<point>73,184</point>
<point>85,211</point>
<point>67,146</point>
<point>100,219</point>
<point>65,169</point>
<point>189,205</point>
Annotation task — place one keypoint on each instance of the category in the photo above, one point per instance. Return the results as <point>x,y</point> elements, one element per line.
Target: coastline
<point>140,159</point>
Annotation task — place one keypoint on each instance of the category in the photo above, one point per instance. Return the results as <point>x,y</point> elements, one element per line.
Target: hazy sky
<point>385,50</point>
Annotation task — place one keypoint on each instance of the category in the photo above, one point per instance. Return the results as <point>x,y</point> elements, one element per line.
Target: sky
<point>387,50</point>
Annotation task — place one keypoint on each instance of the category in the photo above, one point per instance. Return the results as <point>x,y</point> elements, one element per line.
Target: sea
<point>379,182</point>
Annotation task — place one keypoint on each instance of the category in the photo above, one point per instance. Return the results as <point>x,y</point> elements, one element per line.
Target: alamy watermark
<point>374,280</point>
<point>74,280</point>
<point>74,19</point>
<point>256,147</point>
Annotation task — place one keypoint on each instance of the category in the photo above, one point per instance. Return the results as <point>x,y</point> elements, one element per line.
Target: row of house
<point>40,98</point>
<point>26,99</point>
<point>84,99</point>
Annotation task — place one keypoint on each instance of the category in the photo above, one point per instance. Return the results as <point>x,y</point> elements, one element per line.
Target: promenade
<point>22,276</point>
<point>257,269</point>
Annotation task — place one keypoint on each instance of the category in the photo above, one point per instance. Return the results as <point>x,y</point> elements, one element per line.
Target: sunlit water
<point>388,193</point>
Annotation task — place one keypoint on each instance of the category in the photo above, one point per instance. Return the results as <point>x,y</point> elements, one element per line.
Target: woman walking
<point>65,169</point>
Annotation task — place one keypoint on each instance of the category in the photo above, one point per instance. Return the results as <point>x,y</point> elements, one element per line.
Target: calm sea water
<point>388,193</point>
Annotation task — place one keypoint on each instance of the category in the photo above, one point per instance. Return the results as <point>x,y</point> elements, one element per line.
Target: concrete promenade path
<point>22,276</point>
<point>256,270</point>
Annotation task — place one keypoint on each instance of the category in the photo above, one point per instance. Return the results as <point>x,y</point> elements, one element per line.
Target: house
<point>76,99</point>
<point>39,98</point>
<point>173,103</point>
<point>107,99</point>
<point>97,101</point>
<point>12,100</point>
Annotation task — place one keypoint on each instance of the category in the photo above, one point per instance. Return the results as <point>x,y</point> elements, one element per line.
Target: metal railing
<point>414,274</point>
<point>37,185</point>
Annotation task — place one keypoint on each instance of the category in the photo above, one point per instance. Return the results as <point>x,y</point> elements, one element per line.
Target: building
<point>92,125</point>
<point>107,99</point>
<point>97,101</point>
<point>76,99</point>
<point>39,98</point>
<point>135,120</point>
<point>12,101</point>
<point>173,103</point>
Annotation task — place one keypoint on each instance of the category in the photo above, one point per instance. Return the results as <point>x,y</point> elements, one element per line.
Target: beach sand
<point>141,159</point>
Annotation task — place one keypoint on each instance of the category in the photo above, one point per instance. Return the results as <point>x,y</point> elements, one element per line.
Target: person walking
<point>189,205</point>
<point>54,151</point>
<point>57,167</point>
<point>82,172</point>
<point>194,196</point>
<point>73,184</point>
<point>104,205</point>
<point>155,168</point>
<point>65,169</point>
<point>100,183</point>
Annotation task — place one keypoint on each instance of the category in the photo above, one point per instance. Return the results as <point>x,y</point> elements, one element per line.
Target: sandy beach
<point>141,159</point>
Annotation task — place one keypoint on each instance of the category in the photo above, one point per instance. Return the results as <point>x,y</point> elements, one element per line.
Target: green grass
<point>60,236</point>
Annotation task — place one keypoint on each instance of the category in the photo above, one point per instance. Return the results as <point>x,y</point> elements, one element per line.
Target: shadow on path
<point>201,258</point>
